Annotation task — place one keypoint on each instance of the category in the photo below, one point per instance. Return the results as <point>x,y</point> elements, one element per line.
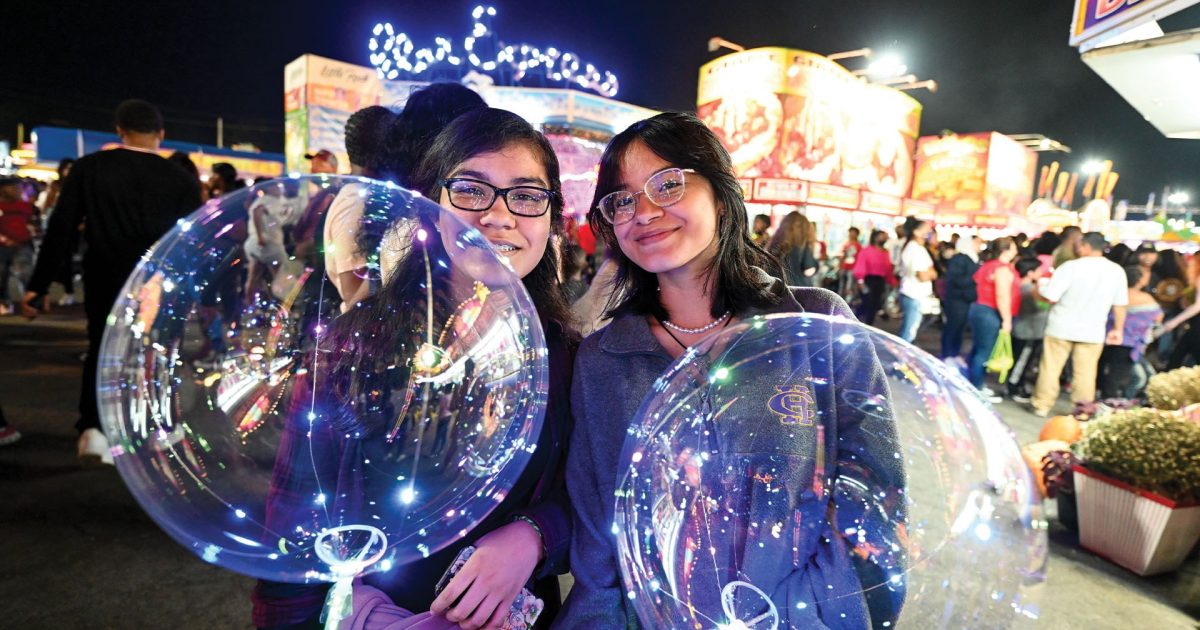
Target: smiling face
<point>522,240</point>
<point>682,236</point>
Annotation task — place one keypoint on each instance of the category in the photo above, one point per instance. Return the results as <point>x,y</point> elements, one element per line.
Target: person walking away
<point>958,298</point>
<point>793,246</point>
<point>850,251</point>
<point>875,273</point>
<point>8,433</point>
<point>760,233</point>
<point>224,180</point>
<point>127,197</point>
<point>916,277</point>
<point>999,296</point>
<point>1069,241</point>
<point>574,263</point>
<point>345,265</point>
<point>16,240</point>
<point>1169,291</point>
<point>1146,256</point>
<point>1028,329</point>
<point>322,161</point>
<point>1186,349</point>
<point>1082,293</point>
<point>1123,368</point>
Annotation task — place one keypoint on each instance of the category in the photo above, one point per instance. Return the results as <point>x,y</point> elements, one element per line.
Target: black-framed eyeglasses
<point>478,196</point>
<point>662,189</point>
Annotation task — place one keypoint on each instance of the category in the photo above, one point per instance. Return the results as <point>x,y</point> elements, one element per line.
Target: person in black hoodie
<point>960,294</point>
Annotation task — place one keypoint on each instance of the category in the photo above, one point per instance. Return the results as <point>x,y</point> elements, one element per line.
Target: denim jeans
<point>985,328</point>
<point>16,263</point>
<point>911,322</point>
<point>956,324</point>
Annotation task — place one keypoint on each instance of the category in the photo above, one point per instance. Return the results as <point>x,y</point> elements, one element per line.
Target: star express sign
<point>1099,20</point>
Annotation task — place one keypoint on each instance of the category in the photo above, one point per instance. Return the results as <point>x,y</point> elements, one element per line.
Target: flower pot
<point>1139,530</point>
<point>1067,511</point>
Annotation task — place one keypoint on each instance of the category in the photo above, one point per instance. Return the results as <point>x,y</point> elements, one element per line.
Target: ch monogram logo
<point>793,404</point>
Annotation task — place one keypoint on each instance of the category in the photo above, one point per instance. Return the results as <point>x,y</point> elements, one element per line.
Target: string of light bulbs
<point>394,55</point>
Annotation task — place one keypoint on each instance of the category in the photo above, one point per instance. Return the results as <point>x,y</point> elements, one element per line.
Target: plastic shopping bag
<point>1001,360</point>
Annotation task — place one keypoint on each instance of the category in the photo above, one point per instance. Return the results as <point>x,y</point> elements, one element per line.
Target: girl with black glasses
<point>499,175</point>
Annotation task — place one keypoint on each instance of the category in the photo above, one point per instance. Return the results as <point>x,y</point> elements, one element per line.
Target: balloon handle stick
<point>339,603</point>
<point>768,619</point>
<point>348,550</point>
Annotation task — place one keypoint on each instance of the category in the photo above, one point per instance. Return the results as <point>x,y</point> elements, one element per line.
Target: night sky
<point>1002,66</point>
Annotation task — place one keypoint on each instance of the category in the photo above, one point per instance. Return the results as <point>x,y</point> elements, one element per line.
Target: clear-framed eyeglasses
<point>478,196</point>
<point>662,189</point>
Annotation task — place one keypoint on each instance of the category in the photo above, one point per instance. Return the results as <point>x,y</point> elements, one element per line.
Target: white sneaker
<point>990,395</point>
<point>93,448</point>
<point>9,435</point>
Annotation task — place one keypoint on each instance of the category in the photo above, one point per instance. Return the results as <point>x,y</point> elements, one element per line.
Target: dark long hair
<point>487,130</point>
<point>426,113</point>
<point>996,247</point>
<point>368,337</point>
<point>911,225</point>
<point>1170,265</point>
<point>685,142</point>
<point>875,234</point>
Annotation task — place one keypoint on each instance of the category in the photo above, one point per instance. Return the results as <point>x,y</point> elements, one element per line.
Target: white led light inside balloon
<point>394,56</point>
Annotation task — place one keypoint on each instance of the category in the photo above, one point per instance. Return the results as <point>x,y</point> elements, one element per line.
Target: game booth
<point>806,134</point>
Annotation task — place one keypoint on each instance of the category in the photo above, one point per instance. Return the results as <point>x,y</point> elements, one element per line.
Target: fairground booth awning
<point>1157,73</point>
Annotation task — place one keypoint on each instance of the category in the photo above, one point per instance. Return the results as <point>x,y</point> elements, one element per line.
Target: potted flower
<point>1175,389</point>
<point>1058,476</point>
<point>1138,489</point>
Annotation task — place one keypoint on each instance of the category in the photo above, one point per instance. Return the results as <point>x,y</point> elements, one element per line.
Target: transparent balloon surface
<point>281,430</point>
<point>801,470</point>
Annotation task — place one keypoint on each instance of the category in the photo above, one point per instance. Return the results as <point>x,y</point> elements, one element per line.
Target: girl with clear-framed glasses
<point>498,174</point>
<point>670,208</point>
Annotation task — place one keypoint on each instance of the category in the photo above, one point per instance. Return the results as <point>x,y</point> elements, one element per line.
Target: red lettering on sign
<point>1105,8</point>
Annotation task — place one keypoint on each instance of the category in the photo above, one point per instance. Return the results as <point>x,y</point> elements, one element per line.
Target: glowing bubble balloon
<point>800,470</point>
<point>276,431</point>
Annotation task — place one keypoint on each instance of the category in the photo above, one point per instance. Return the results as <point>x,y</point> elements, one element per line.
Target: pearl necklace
<point>696,331</point>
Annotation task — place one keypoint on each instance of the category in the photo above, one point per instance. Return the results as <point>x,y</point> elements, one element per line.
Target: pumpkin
<point>1033,454</point>
<point>1065,428</point>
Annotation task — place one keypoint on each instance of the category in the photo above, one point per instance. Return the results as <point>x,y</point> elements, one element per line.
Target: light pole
<point>888,65</point>
<point>928,84</point>
<point>907,78</point>
<point>849,54</point>
<point>717,43</point>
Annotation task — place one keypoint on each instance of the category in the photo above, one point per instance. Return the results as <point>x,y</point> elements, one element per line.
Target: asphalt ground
<point>76,550</point>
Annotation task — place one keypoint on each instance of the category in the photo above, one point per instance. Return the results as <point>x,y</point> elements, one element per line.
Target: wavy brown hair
<point>794,231</point>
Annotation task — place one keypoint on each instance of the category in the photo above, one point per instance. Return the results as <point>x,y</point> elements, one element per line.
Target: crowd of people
<point>1096,316</point>
<point>667,255</point>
